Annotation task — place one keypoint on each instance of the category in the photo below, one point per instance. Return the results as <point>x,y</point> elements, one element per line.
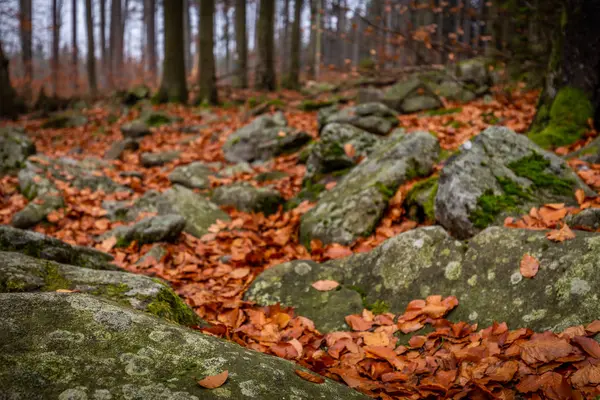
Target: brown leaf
<point>560,235</point>
<point>214,381</point>
<point>588,375</point>
<point>357,323</point>
<point>108,244</point>
<point>349,150</point>
<point>239,273</point>
<point>337,251</point>
<point>580,196</point>
<point>325,285</point>
<point>307,376</point>
<point>529,266</point>
<point>588,345</point>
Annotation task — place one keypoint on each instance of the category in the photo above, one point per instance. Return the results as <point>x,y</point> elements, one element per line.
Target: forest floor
<point>366,357</point>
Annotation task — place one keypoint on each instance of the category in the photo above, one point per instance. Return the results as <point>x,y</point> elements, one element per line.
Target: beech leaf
<point>325,285</point>
<point>214,381</point>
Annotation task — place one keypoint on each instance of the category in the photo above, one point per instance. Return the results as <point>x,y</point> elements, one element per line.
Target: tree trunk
<point>318,36</point>
<point>75,54</point>
<point>103,49</point>
<point>207,80</point>
<point>187,30</point>
<point>172,86</point>
<point>313,39</point>
<point>571,95</point>
<point>226,36</point>
<point>91,59</point>
<point>285,37</point>
<point>265,70</point>
<point>293,80</point>
<point>150,16</point>
<point>241,43</point>
<point>55,46</point>
<point>8,106</point>
<point>116,41</point>
<point>25,28</point>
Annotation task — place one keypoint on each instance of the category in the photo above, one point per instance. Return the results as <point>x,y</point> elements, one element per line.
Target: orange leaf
<point>357,323</point>
<point>214,381</point>
<point>529,266</point>
<point>580,196</point>
<point>239,273</point>
<point>108,244</point>
<point>560,235</point>
<point>337,251</point>
<point>325,285</point>
<point>349,150</point>
<point>307,376</point>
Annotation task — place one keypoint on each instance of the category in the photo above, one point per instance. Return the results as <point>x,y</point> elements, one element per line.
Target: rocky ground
<point>414,243</point>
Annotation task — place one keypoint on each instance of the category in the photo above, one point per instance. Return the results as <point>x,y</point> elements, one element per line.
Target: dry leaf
<point>67,291</point>
<point>214,381</point>
<point>325,285</point>
<point>529,266</point>
<point>108,244</point>
<point>239,273</point>
<point>310,377</point>
<point>349,150</point>
<point>560,235</point>
<point>580,196</point>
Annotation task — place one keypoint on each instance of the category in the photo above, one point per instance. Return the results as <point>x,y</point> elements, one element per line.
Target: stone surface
<point>411,95</point>
<point>482,273</point>
<point>264,138</point>
<point>245,197</point>
<point>588,219</point>
<point>500,174</point>
<point>376,118</point>
<point>589,153</point>
<point>356,204</point>
<point>21,273</point>
<point>37,210</point>
<point>236,169</point>
<point>193,176</point>
<point>117,149</point>
<point>65,119</point>
<point>161,228</point>
<point>135,129</point>
<point>75,346</point>
<point>369,95</point>
<point>48,248</point>
<point>15,148</point>
<point>157,159</point>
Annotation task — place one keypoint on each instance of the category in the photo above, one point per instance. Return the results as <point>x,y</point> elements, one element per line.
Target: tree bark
<point>318,36</point>
<point>226,36</point>
<point>265,70</point>
<point>55,46</point>
<point>91,59</point>
<point>150,16</point>
<point>103,49</point>
<point>285,37</point>
<point>75,55</point>
<point>310,73</point>
<point>25,28</point>
<point>187,30</point>
<point>241,43</point>
<point>116,41</point>
<point>8,106</point>
<point>294,74</point>
<point>173,86</point>
<point>207,80</point>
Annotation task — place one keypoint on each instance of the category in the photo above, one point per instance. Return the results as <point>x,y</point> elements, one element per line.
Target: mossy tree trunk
<point>8,106</point>
<point>241,43</point>
<point>265,70</point>
<point>571,96</point>
<point>207,80</point>
<point>172,86</point>
<point>293,79</point>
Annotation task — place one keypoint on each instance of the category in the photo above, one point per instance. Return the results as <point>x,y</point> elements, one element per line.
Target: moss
<point>566,119</point>
<point>157,119</point>
<point>379,307</point>
<point>53,280</point>
<point>386,191</point>
<point>112,291</point>
<point>169,306</point>
<point>414,198</point>
<point>312,105</point>
<point>443,111</point>
<point>444,155</point>
<point>122,242</point>
<point>532,167</point>
<point>11,286</point>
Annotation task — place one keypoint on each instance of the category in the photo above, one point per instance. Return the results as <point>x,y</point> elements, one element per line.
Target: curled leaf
<point>325,285</point>
<point>307,376</point>
<point>214,381</point>
<point>529,266</point>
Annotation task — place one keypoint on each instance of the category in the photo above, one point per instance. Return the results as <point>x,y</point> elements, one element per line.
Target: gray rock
<point>73,345</point>
<point>15,148</point>
<point>500,174</point>
<point>21,273</point>
<point>245,197</point>
<point>156,253</point>
<point>48,248</point>
<point>117,149</point>
<point>411,95</point>
<point>37,210</point>
<point>157,159</point>
<point>356,204</point>
<point>162,228</point>
<point>473,71</point>
<point>65,119</point>
<point>237,169</point>
<point>369,95</point>
<point>588,219</point>
<point>264,138</point>
<point>482,273</point>
<point>135,129</point>
<point>589,153</point>
<point>194,176</point>
<point>455,91</point>
<point>376,118</point>
<point>325,113</point>
<point>270,176</point>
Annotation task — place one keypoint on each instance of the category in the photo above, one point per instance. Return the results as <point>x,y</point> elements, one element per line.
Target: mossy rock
<point>194,176</point>
<point>420,200</point>
<point>375,118</point>
<point>15,148</point>
<point>245,197</point>
<point>313,105</point>
<point>65,119</point>
<point>411,95</point>
<point>76,346</point>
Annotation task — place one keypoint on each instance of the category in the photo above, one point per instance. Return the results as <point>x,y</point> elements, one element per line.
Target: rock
<point>411,95</point>
<point>237,169</point>
<point>136,94</point>
<point>588,219</point>
<point>48,248</point>
<point>21,273</point>
<point>157,159</point>
<point>369,95</point>
<point>194,176</point>
<point>130,211</point>
<point>589,153</point>
<point>313,105</point>
<point>376,118</point>
<point>15,148</point>
<point>65,119</point>
<point>482,273</point>
<point>117,149</point>
<point>473,71</point>
<point>198,212</point>
<point>454,91</point>
<point>155,254</point>
<point>325,113</point>
<point>162,228</point>
<point>500,174</point>
<point>270,176</point>
<point>264,138</point>
<point>356,204</point>
<point>37,210</point>
<point>420,200</point>
<point>135,129</point>
<point>76,346</point>
<point>245,197</point>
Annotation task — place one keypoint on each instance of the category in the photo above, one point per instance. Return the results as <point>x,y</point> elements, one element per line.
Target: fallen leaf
<point>349,150</point>
<point>67,291</point>
<point>307,376</point>
<point>337,251</point>
<point>580,196</point>
<point>108,244</point>
<point>560,235</point>
<point>214,381</point>
<point>239,273</point>
<point>529,266</point>
<point>325,285</point>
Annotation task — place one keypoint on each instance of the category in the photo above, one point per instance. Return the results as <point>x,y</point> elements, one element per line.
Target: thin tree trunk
<point>226,36</point>
<point>187,30</point>
<point>284,41</point>
<point>25,28</point>
<point>103,48</point>
<point>116,41</point>
<point>293,79</point>
<point>75,59</point>
<point>55,46</point>
<point>173,85</point>
<point>91,59</point>
<point>8,106</point>
<point>318,45</point>
<point>150,14</point>
<point>241,43</point>
<point>313,39</point>
<point>207,80</point>
<point>265,70</point>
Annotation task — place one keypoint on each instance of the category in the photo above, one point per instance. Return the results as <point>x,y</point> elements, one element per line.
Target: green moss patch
<point>532,167</point>
<point>443,111</point>
<point>53,280</point>
<point>169,306</point>
<point>426,187</point>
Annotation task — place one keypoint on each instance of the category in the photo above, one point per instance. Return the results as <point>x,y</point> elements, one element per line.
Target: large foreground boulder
<point>376,118</point>
<point>483,273</point>
<point>356,204</point>
<point>264,138</point>
<point>15,147</point>
<point>75,346</point>
<point>500,174</point>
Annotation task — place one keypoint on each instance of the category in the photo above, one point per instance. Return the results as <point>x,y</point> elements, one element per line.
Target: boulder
<point>356,204</point>
<point>135,129</point>
<point>589,153</point>
<point>194,176</point>
<point>117,149</point>
<point>588,219</point>
<point>149,160</point>
<point>162,228</point>
<point>473,71</point>
<point>245,197</point>
<point>21,273</point>
<point>136,94</point>
<point>264,138</point>
<point>420,200</point>
<point>376,118</point>
<point>15,148</point>
<point>369,95</point>
<point>411,95</point>
<point>65,119</point>
<point>37,210</point>
<point>269,176</point>
<point>76,346</point>
<point>497,175</point>
<point>236,169</point>
<point>36,245</point>
<point>454,91</point>
<point>482,273</point>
